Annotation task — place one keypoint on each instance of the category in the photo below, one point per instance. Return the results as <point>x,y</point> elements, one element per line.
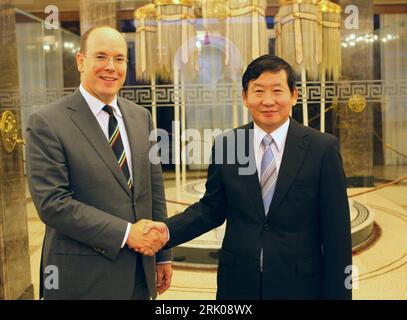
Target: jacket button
<point>266,227</point>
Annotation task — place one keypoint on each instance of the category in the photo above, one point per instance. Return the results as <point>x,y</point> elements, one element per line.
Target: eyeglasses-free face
<point>270,100</point>
<point>103,66</point>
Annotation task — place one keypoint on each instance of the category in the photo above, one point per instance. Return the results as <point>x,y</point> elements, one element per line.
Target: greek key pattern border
<point>221,94</point>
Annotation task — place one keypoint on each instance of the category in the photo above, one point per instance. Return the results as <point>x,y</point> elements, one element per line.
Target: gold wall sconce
<point>9,131</point>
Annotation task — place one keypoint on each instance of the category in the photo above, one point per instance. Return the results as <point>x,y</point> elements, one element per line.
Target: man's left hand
<point>164,275</point>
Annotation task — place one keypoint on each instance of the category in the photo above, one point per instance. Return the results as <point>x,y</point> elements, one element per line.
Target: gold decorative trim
<point>175,17</point>
<point>329,7</point>
<point>329,24</point>
<point>357,103</point>
<point>146,28</point>
<point>188,3</point>
<point>288,2</point>
<point>299,15</point>
<point>8,131</point>
<point>245,10</point>
<point>147,11</point>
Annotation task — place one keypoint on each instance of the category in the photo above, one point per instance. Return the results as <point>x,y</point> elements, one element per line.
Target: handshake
<point>147,237</point>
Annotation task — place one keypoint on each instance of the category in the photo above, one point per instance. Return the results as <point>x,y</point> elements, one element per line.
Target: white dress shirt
<point>102,117</point>
<point>277,147</point>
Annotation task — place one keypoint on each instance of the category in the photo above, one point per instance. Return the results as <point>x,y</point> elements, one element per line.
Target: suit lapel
<point>86,122</point>
<point>252,181</point>
<point>294,153</point>
<point>130,121</point>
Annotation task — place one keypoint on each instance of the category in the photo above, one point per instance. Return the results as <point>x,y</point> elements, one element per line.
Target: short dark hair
<point>85,36</point>
<point>268,63</point>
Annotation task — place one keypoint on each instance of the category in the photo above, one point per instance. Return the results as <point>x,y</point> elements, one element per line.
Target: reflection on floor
<point>382,265</point>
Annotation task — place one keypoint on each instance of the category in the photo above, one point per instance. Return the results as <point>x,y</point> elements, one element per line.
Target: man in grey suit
<point>93,184</point>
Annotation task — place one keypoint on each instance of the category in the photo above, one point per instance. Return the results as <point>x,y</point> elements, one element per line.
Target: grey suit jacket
<point>82,196</point>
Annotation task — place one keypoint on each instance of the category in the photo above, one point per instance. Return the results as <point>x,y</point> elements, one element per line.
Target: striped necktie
<point>116,143</point>
<point>268,176</point>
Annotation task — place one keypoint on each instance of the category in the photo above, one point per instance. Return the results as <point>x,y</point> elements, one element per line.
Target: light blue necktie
<point>268,178</point>
<point>268,175</point>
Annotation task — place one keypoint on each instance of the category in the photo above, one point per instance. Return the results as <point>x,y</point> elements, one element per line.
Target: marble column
<point>97,12</point>
<point>355,129</point>
<point>15,269</point>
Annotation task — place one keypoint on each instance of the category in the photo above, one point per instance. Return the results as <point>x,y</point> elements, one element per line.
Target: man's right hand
<point>146,243</point>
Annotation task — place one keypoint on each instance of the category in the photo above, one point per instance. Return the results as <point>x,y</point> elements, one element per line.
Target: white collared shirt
<point>102,117</point>
<point>277,147</point>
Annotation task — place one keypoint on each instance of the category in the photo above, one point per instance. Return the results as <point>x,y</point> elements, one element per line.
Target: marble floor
<point>382,265</point>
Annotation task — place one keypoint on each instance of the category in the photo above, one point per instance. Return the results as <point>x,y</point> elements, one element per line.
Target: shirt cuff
<point>126,235</point>
<point>168,233</point>
<point>163,262</point>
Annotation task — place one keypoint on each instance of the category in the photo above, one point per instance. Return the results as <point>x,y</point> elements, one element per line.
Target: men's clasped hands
<point>147,237</point>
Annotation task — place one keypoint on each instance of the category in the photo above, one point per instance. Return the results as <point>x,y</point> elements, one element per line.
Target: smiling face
<point>103,77</point>
<point>269,99</point>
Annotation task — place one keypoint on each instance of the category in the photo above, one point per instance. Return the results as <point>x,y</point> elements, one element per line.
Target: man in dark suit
<point>93,184</point>
<point>286,210</point>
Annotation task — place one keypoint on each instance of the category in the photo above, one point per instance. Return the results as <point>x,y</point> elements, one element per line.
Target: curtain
<point>393,40</point>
